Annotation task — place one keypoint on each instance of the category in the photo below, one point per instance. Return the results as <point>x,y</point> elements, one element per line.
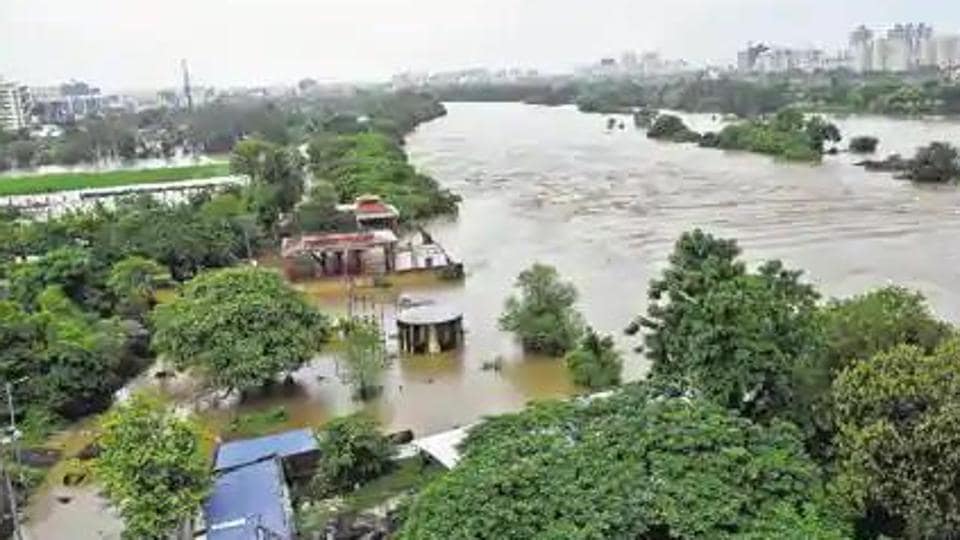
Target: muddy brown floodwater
<point>553,185</point>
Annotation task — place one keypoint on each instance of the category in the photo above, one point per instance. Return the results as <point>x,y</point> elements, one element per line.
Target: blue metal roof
<point>247,500</point>
<point>287,444</point>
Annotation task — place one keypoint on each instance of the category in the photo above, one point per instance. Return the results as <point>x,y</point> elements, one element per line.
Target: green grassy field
<point>49,183</point>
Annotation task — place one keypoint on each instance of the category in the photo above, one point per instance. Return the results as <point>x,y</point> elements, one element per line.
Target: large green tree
<point>543,316</point>
<point>899,442</point>
<point>239,327</point>
<point>738,337</point>
<point>639,464</point>
<point>152,468</point>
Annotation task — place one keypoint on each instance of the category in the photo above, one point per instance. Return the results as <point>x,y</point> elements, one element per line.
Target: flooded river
<point>553,185</point>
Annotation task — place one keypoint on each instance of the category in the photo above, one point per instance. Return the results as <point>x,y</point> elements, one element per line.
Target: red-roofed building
<point>372,213</point>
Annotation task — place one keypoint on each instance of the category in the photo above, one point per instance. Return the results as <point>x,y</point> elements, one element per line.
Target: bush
<point>671,128</point>
<point>864,144</point>
<point>938,162</point>
<point>710,139</point>
<point>353,451</point>
<point>595,363</point>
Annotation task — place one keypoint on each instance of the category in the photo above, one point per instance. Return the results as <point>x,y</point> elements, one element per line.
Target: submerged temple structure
<point>430,329</point>
<point>340,254</point>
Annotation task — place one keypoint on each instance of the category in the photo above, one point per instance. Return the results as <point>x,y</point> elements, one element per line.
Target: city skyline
<point>122,46</point>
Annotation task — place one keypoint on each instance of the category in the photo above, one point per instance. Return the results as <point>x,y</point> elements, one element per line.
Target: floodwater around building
<point>604,207</point>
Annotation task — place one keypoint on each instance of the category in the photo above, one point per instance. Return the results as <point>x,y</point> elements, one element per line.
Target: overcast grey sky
<point>138,43</point>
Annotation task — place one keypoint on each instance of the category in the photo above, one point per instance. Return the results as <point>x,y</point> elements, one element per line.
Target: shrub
<point>595,363</point>
<point>864,144</point>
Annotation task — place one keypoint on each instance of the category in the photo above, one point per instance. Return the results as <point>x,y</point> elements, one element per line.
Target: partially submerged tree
<point>353,452</point>
<point>595,362</point>
<point>938,162</point>
<point>240,328</point>
<point>543,316</point>
<point>152,468</point>
<point>864,144</point>
<point>364,358</point>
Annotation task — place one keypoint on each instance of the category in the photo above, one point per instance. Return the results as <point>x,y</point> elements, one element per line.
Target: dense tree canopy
<point>636,465</point>
<point>134,282</point>
<point>899,417</point>
<point>543,317</point>
<point>152,468</point>
<point>276,176</point>
<point>68,361</point>
<point>734,335</point>
<point>372,162</point>
<point>240,328</point>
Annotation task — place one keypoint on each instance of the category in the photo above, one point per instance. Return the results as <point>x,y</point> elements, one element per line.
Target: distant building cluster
<point>463,77</point>
<point>904,47</point>
<point>41,108</point>
<point>632,64</point>
<point>901,48</point>
<point>773,59</point>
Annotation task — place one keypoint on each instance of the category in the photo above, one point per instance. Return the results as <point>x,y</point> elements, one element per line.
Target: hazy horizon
<point>136,44</point>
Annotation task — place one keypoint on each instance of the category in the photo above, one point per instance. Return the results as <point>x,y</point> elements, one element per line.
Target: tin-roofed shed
<point>297,450</point>
<point>250,502</point>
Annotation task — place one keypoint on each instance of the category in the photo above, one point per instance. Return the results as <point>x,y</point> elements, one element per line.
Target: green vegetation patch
<point>50,183</point>
<point>257,424</point>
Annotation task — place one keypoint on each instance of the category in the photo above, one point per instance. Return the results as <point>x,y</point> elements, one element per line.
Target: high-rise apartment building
<point>14,106</point>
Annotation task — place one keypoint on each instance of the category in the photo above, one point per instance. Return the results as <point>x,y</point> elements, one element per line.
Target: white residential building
<point>861,49</point>
<point>904,47</point>
<point>14,106</point>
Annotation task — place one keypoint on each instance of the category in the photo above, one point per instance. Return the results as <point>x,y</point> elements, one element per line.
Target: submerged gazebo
<point>430,329</point>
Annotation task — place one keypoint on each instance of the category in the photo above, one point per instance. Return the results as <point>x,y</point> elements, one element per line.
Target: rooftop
<point>443,446</point>
<point>283,445</point>
<point>370,206</point>
<point>429,314</point>
<point>337,241</point>
<point>247,500</point>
